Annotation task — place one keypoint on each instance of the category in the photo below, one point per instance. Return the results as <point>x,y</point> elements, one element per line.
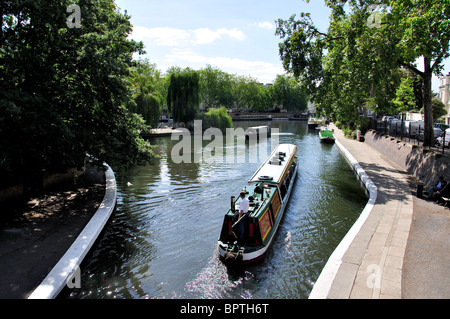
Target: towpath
<point>402,249</point>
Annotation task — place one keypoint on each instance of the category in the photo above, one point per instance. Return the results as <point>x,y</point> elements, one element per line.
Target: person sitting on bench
<point>441,196</point>
<point>439,185</point>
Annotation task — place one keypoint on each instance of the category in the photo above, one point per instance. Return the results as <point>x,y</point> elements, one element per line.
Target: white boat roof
<point>273,167</point>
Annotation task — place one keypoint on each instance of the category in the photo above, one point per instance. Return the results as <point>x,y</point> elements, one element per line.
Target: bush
<point>363,124</point>
<point>217,118</point>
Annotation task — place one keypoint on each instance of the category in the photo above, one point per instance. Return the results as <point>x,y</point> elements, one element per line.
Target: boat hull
<point>327,140</point>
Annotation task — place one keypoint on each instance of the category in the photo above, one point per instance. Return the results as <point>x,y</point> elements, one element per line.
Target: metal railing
<point>412,133</point>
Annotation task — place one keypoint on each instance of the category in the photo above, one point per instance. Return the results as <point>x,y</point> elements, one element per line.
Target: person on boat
<point>439,185</point>
<point>243,209</point>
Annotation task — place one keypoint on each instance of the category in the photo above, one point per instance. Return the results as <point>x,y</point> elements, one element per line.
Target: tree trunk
<point>427,109</point>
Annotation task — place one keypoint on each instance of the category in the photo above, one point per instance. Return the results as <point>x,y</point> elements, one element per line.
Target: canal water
<point>161,241</point>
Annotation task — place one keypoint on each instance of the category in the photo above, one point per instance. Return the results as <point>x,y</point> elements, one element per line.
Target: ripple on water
<point>161,240</point>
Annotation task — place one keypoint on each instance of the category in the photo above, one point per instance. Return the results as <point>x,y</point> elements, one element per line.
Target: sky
<point>236,36</point>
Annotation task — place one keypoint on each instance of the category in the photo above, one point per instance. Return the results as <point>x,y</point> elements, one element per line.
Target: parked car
<point>388,118</point>
<point>437,133</point>
<point>443,127</point>
<point>413,127</point>
<point>445,139</point>
<point>394,125</point>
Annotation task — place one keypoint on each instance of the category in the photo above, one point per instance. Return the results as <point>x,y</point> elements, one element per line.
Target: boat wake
<point>215,281</point>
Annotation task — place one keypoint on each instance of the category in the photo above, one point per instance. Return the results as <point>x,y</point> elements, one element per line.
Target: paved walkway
<point>166,131</point>
<point>373,265</point>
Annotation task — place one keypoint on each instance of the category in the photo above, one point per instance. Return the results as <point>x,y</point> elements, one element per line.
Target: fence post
<point>443,143</point>
<point>418,141</point>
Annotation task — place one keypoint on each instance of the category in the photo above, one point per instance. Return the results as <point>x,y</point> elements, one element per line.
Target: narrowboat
<point>268,192</point>
<point>326,135</point>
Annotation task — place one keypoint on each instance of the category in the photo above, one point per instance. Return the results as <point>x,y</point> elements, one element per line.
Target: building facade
<point>444,94</point>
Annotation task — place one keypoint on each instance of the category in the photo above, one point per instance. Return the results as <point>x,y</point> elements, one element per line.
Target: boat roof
<point>275,166</point>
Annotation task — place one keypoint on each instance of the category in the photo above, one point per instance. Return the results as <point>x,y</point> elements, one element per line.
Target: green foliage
<point>215,87</point>
<point>405,98</point>
<point>183,96</point>
<point>247,93</point>
<point>288,94</point>
<point>355,62</point>
<point>217,118</point>
<point>146,87</point>
<point>363,124</point>
<point>349,133</point>
<point>62,89</point>
<point>218,88</point>
<point>438,108</point>
<point>301,50</point>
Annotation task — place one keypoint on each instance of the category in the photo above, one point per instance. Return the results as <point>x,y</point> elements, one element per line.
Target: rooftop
<point>273,168</point>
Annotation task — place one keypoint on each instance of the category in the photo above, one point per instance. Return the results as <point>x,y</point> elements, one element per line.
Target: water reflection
<point>161,241</point>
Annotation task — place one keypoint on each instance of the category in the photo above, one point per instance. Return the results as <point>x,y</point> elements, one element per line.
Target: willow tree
<point>183,98</point>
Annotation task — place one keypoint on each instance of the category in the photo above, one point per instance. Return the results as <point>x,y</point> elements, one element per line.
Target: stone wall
<point>426,166</point>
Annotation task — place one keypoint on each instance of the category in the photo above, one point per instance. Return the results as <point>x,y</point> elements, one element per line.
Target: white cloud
<point>265,25</point>
<point>235,34</point>
<point>264,71</point>
<point>165,36</point>
<point>161,36</point>
<point>206,35</point>
<point>195,48</point>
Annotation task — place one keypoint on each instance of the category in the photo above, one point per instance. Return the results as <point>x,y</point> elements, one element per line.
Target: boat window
<point>283,190</point>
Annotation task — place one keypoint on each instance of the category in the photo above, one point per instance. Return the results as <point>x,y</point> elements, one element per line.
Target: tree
<point>438,108</point>
<point>218,118</point>
<point>423,28</point>
<point>247,92</point>
<point>62,87</point>
<point>288,94</point>
<point>183,96</point>
<point>405,100</point>
<point>215,87</point>
<point>355,61</point>
<point>146,86</point>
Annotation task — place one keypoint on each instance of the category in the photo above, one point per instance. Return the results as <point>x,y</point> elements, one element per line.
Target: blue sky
<point>237,36</point>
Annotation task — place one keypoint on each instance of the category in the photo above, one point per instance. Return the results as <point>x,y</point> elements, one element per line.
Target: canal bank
<point>384,255</point>
<point>43,241</point>
<point>417,271</point>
